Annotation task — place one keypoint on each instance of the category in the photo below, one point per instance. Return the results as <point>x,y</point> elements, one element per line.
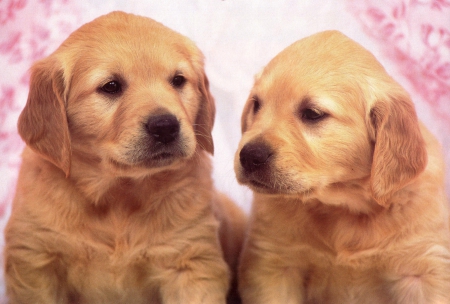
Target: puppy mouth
<point>267,184</point>
<point>146,157</point>
<point>259,185</point>
<point>265,188</point>
<point>154,161</point>
<point>161,158</point>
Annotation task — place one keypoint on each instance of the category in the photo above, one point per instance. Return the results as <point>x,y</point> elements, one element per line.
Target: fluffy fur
<point>349,203</point>
<point>115,202</point>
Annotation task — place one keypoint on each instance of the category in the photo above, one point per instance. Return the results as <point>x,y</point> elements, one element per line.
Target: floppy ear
<point>400,153</point>
<point>204,121</point>
<point>43,122</point>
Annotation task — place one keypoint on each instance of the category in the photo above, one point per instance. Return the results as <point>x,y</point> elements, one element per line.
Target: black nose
<point>163,128</point>
<point>255,156</point>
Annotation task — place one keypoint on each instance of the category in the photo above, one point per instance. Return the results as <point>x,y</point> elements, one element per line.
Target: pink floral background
<point>410,37</point>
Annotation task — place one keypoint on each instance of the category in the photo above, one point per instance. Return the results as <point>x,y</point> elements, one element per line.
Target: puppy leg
<point>194,293</point>
<point>270,288</point>
<point>198,274</point>
<point>415,289</point>
<point>195,286</point>
<point>263,280</point>
<point>34,278</point>
<point>422,279</point>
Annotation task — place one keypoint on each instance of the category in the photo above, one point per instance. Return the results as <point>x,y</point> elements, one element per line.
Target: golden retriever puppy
<point>349,203</point>
<point>115,202</point>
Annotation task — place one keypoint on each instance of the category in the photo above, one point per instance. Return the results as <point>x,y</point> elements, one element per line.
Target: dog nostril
<point>254,156</point>
<point>163,128</point>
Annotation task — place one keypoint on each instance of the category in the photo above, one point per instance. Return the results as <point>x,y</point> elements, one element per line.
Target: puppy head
<point>324,116</point>
<point>123,92</point>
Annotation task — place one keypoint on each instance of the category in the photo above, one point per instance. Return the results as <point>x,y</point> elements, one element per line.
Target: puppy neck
<point>353,195</point>
<point>97,180</point>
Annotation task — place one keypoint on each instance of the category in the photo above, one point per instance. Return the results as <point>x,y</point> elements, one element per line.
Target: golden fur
<point>349,203</point>
<point>105,212</point>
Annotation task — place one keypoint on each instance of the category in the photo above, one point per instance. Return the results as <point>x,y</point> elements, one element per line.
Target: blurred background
<point>411,38</point>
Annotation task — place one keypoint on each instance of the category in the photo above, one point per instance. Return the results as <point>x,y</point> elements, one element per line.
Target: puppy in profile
<point>349,203</point>
<point>115,201</point>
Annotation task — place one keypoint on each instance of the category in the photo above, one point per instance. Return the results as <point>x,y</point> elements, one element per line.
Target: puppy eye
<point>112,87</point>
<point>256,105</point>
<point>178,81</point>
<point>312,115</point>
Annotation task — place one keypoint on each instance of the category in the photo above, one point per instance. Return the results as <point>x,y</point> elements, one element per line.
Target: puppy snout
<point>255,156</point>
<point>163,128</point>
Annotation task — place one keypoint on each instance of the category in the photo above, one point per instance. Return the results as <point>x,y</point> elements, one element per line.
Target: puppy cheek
<point>238,168</point>
<point>188,140</point>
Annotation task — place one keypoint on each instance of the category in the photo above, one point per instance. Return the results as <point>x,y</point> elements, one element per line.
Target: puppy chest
<point>132,261</point>
<point>99,274</point>
<point>338,284</point>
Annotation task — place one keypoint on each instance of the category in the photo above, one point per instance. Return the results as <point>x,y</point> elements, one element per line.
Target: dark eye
<point>256,105</point>
<point>312,115</point>
<point>112,87</point>
<point>178,81</point>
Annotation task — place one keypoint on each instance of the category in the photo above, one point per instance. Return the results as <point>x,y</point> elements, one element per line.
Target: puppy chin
<point>145,159</point>
<point>259,187</point>
<point>271,184</point>
<point>162,159</point>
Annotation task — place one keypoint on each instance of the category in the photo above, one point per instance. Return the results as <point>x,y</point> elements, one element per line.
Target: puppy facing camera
<point>115,202</point>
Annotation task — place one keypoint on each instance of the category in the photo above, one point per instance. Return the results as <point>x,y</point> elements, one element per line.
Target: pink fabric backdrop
<point>410,37</point>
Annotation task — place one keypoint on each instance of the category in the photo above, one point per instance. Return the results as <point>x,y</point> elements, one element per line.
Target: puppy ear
<point>400,152</point>
<point>205,116</point>
<point>43,122</point>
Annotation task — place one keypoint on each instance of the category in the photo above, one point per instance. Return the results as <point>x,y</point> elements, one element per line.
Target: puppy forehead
<point>131,28</point>
<point>159,53</point>
<point>330,50</point>
<point>128,38</point>
<point>288,91</point>
<point>328,67</point>
<point>145,55</point>
<point>136,73</point>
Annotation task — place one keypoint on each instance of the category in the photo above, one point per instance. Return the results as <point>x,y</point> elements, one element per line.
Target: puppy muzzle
<point>164,129</point>
<point>256,161</point>
<point>255,157</point>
